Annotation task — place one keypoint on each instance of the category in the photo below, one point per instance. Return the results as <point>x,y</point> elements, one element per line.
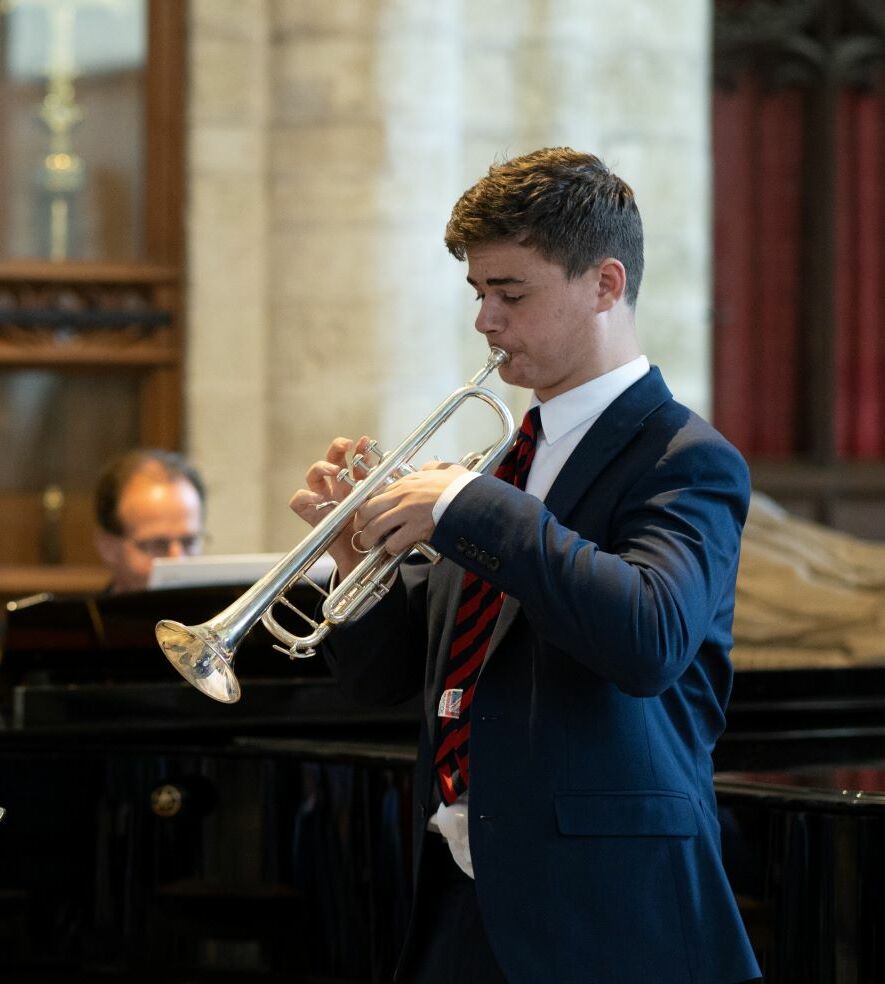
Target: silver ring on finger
<point>359,549</point>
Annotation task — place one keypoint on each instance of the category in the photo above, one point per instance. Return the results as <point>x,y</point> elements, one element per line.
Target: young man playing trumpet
<point>572,646</point>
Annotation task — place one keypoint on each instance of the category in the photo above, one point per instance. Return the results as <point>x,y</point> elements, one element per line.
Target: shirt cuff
<point>445,499</point>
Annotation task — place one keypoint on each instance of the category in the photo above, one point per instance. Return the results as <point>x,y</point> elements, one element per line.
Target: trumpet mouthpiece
<point>498,357</point>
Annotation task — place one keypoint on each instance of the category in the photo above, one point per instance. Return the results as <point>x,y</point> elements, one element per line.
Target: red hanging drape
<point>758,148</point>
<point>860,268</point>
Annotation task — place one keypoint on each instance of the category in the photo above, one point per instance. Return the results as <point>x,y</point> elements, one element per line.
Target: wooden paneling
<point>850,497</point>
<point>28,533</point>
<point>120,319</point>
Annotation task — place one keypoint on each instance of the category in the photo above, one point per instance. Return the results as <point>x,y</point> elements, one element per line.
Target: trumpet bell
<point>201,658</point>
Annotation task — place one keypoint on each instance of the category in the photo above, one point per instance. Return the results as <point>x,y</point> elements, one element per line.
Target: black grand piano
<point>800,783</point>
<point>151,831</point>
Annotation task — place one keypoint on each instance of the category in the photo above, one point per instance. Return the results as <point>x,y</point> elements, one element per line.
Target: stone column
<point>228,265</point>
<point>649,93</point>
<point>629,82</point>
<point>365,148</point>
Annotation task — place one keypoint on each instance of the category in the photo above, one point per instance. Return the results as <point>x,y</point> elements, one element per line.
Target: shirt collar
<point>585,403</point>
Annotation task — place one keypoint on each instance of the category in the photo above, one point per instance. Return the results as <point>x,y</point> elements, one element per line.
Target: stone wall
<point>328,143</point>
<point>229,264</point>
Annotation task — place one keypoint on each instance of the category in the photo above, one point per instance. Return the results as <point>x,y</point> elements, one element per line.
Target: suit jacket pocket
<point>638,813</point>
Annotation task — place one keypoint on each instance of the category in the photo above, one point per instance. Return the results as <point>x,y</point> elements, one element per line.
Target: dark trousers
<point>449,944</point>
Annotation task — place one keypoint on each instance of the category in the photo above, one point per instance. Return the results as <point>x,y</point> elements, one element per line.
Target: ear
<point>108,547</point>
<point>612,283</point>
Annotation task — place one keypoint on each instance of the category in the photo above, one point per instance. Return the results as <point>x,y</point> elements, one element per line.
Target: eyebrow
<point>498,281</point>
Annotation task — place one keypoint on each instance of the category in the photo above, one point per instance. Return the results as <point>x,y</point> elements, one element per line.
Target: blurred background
<point>221,231</point>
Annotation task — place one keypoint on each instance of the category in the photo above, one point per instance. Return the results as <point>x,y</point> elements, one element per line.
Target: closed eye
<point>506,298</point>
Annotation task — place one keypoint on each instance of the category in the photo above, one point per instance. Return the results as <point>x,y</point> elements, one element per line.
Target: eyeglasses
<point>161,546</point>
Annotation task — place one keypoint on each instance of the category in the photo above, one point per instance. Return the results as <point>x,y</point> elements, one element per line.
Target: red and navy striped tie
<point>474,623</point>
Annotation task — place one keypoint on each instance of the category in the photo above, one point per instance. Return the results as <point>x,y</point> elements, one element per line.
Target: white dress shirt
<point>565,419</point>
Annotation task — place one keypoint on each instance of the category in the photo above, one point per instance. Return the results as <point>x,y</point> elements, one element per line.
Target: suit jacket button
<point>493,563</point>
<point>461,544</point>
<point>471,551</point>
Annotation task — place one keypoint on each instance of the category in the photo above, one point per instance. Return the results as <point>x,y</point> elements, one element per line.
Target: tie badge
<point>450,704</point>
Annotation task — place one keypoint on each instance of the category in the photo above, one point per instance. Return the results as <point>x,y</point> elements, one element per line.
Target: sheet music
<point>179,572</point>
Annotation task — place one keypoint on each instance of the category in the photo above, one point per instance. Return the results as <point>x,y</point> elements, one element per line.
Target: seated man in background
<point>148,503</point>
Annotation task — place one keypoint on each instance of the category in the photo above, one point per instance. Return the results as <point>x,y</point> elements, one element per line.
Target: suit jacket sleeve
<point>638,611</point>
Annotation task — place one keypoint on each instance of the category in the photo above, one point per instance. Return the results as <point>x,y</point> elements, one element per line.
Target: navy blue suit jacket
<point>593,827</point>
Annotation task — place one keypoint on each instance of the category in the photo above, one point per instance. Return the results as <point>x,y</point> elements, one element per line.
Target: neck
<point>616,341</point>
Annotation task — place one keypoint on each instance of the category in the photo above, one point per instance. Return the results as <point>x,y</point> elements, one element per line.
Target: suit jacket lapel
<point>616,427</point>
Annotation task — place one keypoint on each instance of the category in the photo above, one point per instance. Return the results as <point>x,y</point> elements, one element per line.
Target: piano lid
<point>110,638</point>
<point>92,665</point>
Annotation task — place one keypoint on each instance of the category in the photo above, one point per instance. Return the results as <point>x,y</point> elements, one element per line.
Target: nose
<point>175,548</point>
<point>488,320</point>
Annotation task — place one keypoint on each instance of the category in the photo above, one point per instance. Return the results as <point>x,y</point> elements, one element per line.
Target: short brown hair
<point>566,204</point>
<point>116,473</point>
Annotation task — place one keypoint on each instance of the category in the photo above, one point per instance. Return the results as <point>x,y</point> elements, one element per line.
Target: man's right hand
<point>324,490</point>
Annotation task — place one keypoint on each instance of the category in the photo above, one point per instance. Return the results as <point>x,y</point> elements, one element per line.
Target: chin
<point>516,378</point>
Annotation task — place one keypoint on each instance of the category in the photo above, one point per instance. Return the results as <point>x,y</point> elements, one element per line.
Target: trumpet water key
<point>204,654</point>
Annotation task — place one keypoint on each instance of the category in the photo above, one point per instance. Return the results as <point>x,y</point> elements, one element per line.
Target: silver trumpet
<point>204,654</point>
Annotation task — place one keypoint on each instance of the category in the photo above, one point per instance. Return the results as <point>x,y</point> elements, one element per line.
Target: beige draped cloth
<point>807,595</point>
